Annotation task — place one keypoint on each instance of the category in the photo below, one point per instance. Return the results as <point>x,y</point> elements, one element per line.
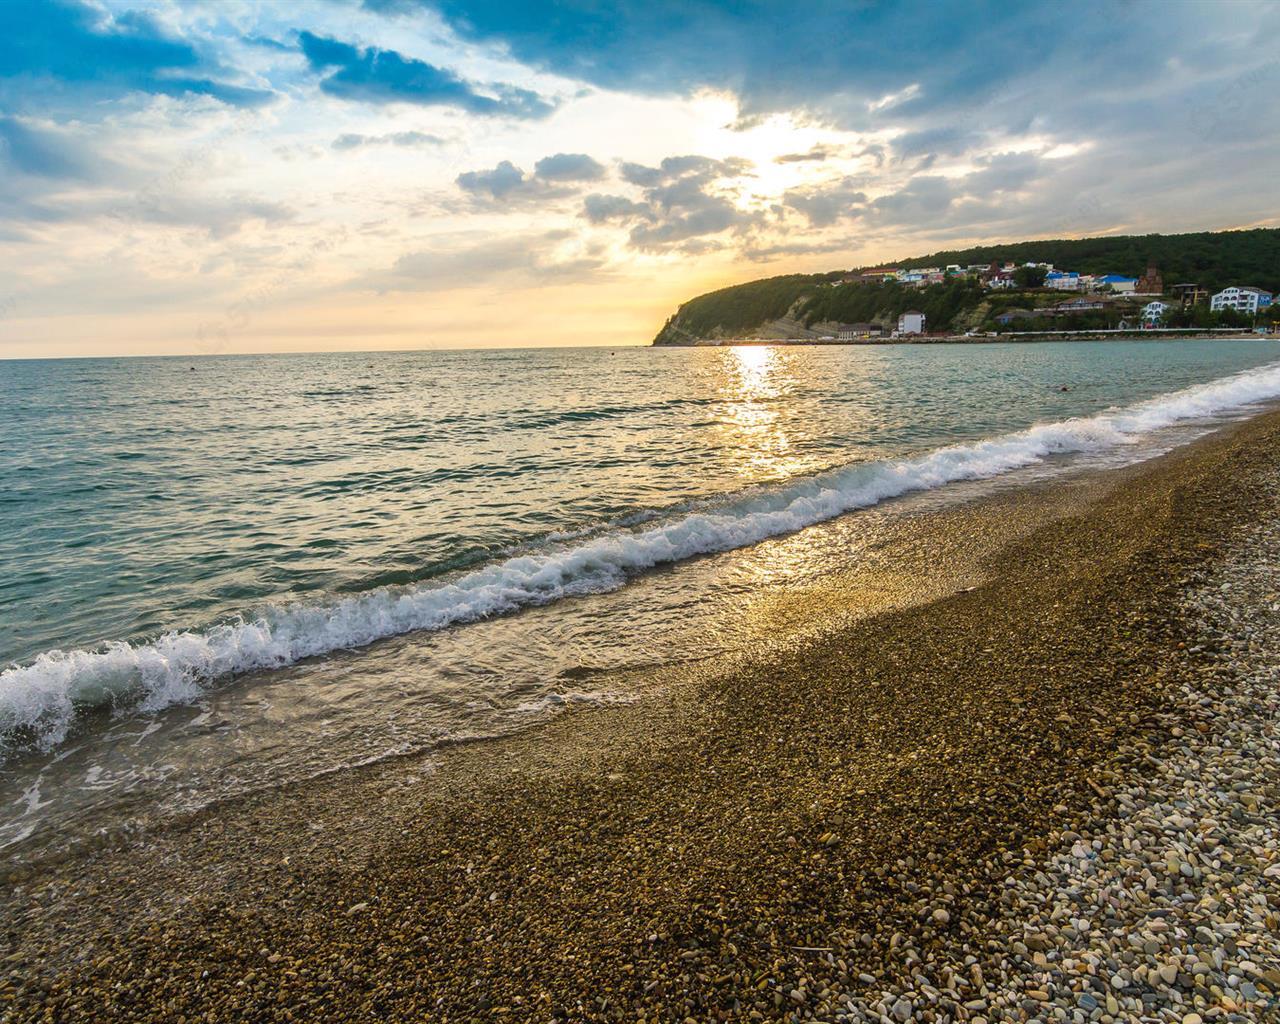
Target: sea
<point>224,573</point>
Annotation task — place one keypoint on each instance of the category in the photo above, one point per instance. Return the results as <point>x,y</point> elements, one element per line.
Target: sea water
<point>225,572</point>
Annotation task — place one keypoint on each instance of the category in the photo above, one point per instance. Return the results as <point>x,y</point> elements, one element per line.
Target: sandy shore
<point>828,828</point>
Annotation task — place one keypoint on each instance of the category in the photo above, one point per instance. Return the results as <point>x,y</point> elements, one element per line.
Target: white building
<point>1153,312</point>
<point>1242,300</point>
<point>911,322</point>
<point>1063,281</point>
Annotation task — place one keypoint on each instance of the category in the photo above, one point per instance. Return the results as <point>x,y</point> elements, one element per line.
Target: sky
<point>236,176</point>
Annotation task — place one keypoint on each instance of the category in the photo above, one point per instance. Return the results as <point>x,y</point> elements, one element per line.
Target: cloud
<point>676,168</point>
<point>27,150</point>
<point>1005,172</point>
<point>683,198</point>
<point>966,78</point>
<point>466,262</point>
<point>823,205</point>
<point>46,171</point>
<point>600,209</point>
<point>810,247</point>
<point>923,197</point>
<point>373,75</point>
<point>50,49</point>
<point>569,167</point>
<point>497,183</point>
<point>405,139</point>
<point>553,177</point>
<point>945,140</point>
<point>817,153</point>
<point>709,216</point>
<point>834,57</point>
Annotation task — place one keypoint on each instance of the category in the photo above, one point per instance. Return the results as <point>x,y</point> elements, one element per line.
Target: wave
<point>40,701</point>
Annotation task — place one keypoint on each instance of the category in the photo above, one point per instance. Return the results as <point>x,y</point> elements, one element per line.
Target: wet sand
<point>721,849</point>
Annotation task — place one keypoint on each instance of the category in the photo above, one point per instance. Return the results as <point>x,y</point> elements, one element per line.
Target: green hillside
<point>1213,259</point>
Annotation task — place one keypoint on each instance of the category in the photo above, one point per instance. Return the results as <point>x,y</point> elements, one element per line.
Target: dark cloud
<point>497,183</point>
<point>710,215</point>
<point>809,247</point>
<point>1005,172</point>
<point>1158,80</point>
<point>924,197</point>
<point>683,198</point>
<point>372,75</point>
<point>599,209</point>
<point>639,174</point>
<point>823,205</point>
<point>569,167</point>
<point>553,177</point>
<point>816,154</point>
<point>53,52</point>
<point>835,58</point>
<point>26,150</point>
<point>688,167</point>
<point>405,139</point>
<point>942,141</point>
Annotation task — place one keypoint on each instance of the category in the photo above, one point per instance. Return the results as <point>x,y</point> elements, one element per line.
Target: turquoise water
<point>169,525</point>
<point>144,495</point>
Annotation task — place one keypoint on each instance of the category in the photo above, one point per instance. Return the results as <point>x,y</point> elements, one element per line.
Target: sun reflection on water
<point>754,422</point>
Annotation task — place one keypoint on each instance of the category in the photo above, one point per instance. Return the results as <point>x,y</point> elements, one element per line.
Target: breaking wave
<point>40,701</point>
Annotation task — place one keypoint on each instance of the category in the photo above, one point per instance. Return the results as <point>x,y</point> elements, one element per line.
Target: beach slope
<point>827,827</point>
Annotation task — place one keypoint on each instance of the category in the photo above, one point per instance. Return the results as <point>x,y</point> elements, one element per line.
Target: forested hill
<point>1212,259</point>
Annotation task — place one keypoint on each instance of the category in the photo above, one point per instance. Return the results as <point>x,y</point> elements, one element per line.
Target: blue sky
<point>242,176</point>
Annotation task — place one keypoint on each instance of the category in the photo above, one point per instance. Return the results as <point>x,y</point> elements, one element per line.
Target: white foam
<point>39,700</point>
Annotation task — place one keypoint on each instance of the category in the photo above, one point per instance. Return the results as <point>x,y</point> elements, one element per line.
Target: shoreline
<point>684,856</point>
<point>1021,337</point>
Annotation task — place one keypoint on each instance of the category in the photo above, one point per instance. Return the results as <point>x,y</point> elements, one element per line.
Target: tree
<point>1030,277</point>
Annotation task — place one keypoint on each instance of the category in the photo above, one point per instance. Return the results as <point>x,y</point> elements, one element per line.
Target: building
<point>1154,312</point>
<point>1118,283</point>
<point>911,322</point>
<point>921,276</point>
<point>858,332</point>
<point>1190,294</point>
<point>1017,313</point>
<point>1150,283</point>
<point>1002,280</point>
<point>1242,300</point>
<point>1065,281</point>
<point>1079,306</point>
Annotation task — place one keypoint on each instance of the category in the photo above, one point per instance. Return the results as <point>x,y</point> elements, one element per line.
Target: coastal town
<point>1144,303</point>
<point>998,300</point>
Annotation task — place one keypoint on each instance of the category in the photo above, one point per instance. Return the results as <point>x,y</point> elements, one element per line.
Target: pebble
<point>1180,874</point>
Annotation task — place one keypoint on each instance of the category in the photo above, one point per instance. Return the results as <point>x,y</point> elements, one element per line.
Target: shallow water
<point>195,554</point>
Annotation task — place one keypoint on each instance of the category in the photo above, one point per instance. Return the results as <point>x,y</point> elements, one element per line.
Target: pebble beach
<point>1048,795</point>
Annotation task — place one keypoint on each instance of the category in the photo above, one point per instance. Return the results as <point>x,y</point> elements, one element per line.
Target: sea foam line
<point>39,700</point>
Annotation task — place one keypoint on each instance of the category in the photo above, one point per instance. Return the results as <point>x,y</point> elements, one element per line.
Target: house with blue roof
<point>1118,282</point>
<point>1063,280</point>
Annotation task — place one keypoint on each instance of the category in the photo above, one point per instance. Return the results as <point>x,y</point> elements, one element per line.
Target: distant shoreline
<point>1023,337</point>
